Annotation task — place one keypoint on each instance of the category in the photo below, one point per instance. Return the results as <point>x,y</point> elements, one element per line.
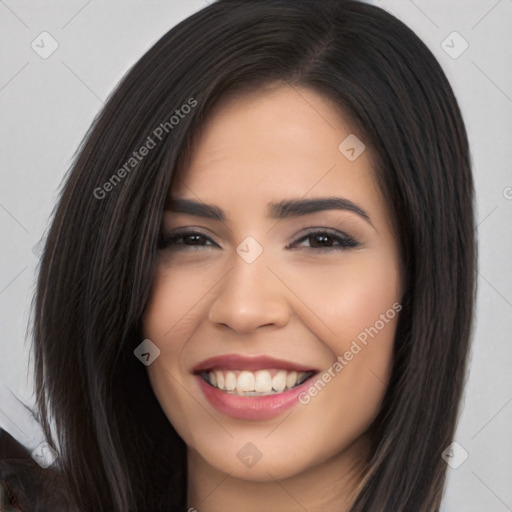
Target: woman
<point>258,286</point>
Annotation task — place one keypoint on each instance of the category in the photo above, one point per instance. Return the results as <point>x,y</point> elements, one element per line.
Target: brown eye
<point>193,239</point>
<point>182,240</point>
<point>326,240</point>
<point>321,240</point>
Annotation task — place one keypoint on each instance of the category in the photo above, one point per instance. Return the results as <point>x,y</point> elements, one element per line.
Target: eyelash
<point>344,241</point>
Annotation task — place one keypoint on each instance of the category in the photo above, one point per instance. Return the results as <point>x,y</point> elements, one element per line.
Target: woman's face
<point>275,307</point>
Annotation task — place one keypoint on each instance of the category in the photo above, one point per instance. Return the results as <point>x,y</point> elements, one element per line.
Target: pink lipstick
<point>251,388</point>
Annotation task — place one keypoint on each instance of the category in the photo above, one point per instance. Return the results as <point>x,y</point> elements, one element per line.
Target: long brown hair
<point>117,450</point>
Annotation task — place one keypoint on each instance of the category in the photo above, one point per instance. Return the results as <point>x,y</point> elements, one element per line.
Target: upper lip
<point>239,362</point>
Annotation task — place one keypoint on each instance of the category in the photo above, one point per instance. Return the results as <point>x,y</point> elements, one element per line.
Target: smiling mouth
<point>255,383</point>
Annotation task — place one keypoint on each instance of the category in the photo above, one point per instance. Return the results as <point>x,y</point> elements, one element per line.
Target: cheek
<point>170,318</point>
<point>174,305</point>
<point>350,295</point>
<point>361,307</point>
<point>171,314</point>
<point>359,304</point>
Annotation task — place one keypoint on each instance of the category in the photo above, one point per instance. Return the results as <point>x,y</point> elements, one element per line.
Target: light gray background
<point>48,104</point>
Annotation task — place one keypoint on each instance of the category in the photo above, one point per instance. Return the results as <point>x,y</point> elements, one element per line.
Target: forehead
<point>273,142</point>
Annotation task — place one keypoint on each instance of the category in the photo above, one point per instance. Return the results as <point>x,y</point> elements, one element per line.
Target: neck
<point>328,486</point>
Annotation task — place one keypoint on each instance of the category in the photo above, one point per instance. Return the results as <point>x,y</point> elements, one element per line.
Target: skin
<point>295,302</point>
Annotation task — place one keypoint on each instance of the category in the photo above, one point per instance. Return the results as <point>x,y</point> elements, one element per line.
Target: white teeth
<point>220,380</point>
<point>230,381</point>
<point>291,379</point>
<point>245,382</point>
<point>279,381</point>
<point>263,382</point>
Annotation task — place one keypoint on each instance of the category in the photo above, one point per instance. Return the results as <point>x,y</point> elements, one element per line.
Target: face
<point>275,306</point>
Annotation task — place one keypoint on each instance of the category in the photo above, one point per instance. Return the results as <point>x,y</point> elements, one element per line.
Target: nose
<point>249,297</point>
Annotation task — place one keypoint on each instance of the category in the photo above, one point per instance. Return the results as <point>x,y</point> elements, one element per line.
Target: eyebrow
<point>280,210</point>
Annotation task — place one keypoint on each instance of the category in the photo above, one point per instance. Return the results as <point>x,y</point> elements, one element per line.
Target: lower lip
<point>256,408</point>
